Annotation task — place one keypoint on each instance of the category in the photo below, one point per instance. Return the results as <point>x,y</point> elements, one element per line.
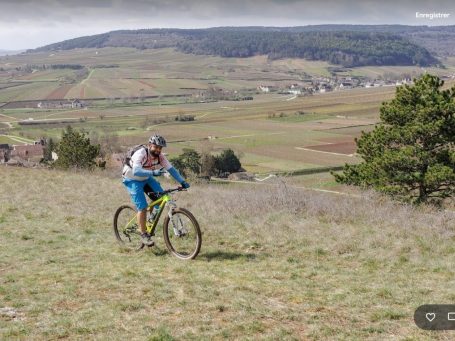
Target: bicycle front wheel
<point>182,234</point>
<point>126,228</point>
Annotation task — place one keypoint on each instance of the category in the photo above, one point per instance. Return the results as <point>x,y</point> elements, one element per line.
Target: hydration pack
<point>128,155</point>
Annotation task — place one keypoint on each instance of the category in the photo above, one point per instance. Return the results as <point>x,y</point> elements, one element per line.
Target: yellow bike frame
<point>162,201</point>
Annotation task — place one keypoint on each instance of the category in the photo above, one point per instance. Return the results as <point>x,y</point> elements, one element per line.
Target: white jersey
<point>143,159</point>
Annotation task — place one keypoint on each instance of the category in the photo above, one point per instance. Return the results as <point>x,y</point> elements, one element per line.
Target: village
<point>327,84</point>
<point>306,87</point>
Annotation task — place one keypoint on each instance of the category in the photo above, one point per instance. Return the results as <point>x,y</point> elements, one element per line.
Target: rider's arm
<point>136,161</point>
<point>139,171</point>
<point>176,175</point>
<point>171,169</point>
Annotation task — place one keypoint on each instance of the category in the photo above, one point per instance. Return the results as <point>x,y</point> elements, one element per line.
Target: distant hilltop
<point>10,52</point>
<point>346,45</point>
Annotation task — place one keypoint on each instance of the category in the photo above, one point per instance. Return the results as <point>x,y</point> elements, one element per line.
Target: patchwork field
<point>345,148</point>
<point>126,72</point>
<point>271,133</point>
<point>14,140</point>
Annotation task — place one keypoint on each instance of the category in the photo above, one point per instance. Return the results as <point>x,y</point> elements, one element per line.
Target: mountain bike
<point>181,231</point>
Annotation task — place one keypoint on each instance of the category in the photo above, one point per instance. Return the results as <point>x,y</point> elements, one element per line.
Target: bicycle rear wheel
<point>126,228</point>
<point>182,234</point>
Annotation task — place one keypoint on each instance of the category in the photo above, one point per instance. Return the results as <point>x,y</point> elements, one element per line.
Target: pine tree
<point>411,153</point>
<point>75,151</point>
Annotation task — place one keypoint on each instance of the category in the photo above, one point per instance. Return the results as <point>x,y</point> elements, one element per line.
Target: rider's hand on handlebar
<point>158,172</point>
<point>185,185</point>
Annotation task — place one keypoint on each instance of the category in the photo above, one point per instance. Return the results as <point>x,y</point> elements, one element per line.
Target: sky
<point>28,24</point>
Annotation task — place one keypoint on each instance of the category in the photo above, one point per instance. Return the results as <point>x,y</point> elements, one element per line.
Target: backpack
<point>127,157</point>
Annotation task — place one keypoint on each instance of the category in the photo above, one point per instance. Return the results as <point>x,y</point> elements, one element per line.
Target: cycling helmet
<point>158,140</point>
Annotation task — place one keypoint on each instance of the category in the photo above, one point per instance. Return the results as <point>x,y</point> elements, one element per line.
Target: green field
<point>270,133</point>
<point>14,140</point>
<point>277,263</point>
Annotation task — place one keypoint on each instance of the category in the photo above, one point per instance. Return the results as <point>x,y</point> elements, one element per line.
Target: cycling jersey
<point>142,158</point>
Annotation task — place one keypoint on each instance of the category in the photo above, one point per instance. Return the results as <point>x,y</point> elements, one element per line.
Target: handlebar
<point>178,189</point>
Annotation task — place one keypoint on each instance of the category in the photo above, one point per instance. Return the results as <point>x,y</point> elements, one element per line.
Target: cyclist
<point>146,163</point>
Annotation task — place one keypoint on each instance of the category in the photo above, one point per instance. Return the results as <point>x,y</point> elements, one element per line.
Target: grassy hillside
<point>276,263</point>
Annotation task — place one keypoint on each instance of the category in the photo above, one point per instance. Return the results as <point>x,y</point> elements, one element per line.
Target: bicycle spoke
<point>126,228</point>
<point>182,235</point>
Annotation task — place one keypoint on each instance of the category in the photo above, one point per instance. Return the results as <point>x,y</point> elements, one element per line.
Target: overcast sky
<point>32,23</point>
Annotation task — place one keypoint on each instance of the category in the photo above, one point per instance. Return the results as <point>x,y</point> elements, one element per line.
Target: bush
<point>227,162</point>
<point>75,151</point>
<point>205,164</point>
<point>187,162</point>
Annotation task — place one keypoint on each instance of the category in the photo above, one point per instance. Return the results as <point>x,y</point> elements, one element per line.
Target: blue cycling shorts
<point>136,191</point>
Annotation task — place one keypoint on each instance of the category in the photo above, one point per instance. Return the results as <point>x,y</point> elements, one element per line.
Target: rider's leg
<point>141,205</point>
<point>155,185</point>
<point>141,215</point>
<point>136,191</point>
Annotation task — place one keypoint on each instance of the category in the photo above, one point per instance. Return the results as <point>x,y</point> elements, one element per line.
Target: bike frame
<point>163,201</point>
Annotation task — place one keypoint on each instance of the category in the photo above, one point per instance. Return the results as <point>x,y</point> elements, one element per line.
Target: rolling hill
<point>343,45</point>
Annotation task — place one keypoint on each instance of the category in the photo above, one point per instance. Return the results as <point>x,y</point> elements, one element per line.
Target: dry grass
<point>276,263</point>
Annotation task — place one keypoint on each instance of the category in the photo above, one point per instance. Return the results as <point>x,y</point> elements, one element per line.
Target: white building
<point>264,88</point>
<point>295,91</point>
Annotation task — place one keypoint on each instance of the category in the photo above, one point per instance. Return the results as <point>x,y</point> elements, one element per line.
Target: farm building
<point>345,85</point>
<point>53,104</point>
<point>295,91</point>
<point>77,104</point>
<point>28,151</point>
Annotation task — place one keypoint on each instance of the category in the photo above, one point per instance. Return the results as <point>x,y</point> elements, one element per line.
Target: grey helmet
<point>158,140</point>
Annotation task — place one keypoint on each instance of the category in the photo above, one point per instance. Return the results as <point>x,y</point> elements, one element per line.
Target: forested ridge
<point>347,45</point>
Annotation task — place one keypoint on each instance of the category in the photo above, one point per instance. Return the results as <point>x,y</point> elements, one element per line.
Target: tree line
<point>76,150</point>
<point>347,48</point>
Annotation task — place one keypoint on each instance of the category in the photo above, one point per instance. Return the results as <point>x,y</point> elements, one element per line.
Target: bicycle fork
<point>177,224</point>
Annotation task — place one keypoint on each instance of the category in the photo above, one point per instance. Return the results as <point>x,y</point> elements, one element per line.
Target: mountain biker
<point>146,163</point>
